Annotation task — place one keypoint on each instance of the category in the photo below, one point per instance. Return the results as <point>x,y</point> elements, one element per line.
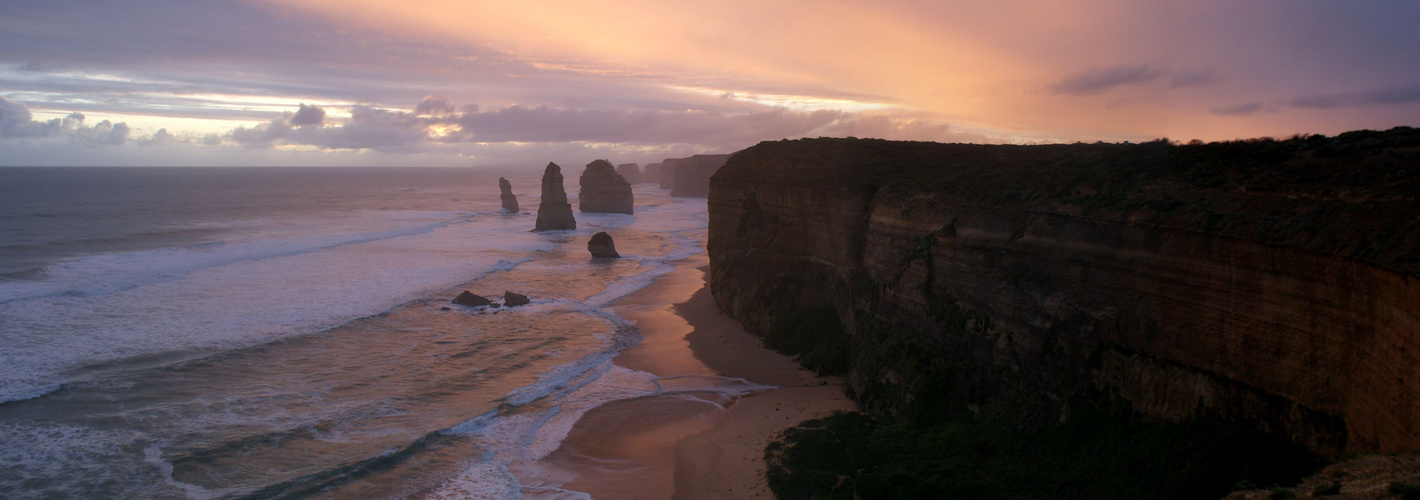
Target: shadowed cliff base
<point>1264,285</point>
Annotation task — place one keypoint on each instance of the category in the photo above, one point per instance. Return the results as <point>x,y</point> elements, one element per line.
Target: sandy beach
<point>691,445</point>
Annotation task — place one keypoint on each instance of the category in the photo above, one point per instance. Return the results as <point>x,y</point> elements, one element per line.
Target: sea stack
<point>651,173</point>
<point>602,247</point>
<point>692,175</point>
<point>554,213</point>
<point>603,190</point>
<point>629,171</point>
<point>510,202</point>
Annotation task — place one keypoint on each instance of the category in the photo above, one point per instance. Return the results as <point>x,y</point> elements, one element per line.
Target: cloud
<point>1098,80</point>
<point>16,122</point>
<point>1377,97</point>
<point>436,121</point>
<point>434,105</point>
<point>1200,78</point>
<point>1244,109</point>
<point>307,115</point>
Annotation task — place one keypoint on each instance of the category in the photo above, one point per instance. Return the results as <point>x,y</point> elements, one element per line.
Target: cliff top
<point>1355,195</point>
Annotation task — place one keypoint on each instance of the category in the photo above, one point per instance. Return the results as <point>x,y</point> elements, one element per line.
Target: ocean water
<point>282,332</point>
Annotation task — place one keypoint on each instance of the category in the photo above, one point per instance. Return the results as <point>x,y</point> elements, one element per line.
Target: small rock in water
<point>602,246</point>
<point>446,308</point>
<point>471,299</point>
<point>514,299</point>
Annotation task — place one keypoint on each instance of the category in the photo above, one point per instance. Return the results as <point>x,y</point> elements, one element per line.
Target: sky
<point>508,84</point>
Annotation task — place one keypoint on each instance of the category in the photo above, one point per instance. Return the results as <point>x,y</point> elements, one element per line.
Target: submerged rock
<point>471,299</point>
<point>511,299</point>
<point>510,202</point>
<point>554,213</point>
<point>603,190</point>
<point>629,171</point>
<point>602,247</point>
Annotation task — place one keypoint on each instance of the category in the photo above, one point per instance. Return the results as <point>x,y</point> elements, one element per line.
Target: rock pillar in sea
<point>510,202</point>
<point>554,212</point>
<point>651,173</point>
<point>603,190</point>
<point>629,171</point>
<point>602,247</point>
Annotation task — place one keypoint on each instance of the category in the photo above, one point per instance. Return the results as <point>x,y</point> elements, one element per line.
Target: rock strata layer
<point>602,247</point>
<point>510,201</point>
<point>603,190</point>
<point>629,171</point>
<point>554,213</point>
<point>1272,283</point>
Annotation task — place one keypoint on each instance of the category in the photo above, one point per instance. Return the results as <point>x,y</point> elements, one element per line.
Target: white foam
<point>240,294</point>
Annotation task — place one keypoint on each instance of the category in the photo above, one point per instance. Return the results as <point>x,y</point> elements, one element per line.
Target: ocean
<point>283,332</point>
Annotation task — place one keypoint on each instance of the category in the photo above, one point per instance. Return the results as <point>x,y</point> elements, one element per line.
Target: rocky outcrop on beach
<point>471,299</point>
<point>510,202</point>
<point>651,173</point>
<point>554,213</point>
<point>602,247</point>
<point>1269,283</point>
<point>629,171</point>
<point>511,299</point>
<point>692,175</point>
<point>603,190</point>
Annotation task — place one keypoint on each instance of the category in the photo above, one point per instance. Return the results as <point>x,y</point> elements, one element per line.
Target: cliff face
<point>692,175</point>
<point>604,190</point>
<point>1271,283</point>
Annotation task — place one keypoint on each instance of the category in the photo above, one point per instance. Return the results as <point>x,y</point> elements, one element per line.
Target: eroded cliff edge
<point>1272,283</point>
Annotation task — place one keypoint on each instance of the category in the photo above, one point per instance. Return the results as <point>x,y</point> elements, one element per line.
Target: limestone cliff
<point>603,190</point>
<point>651,173</point>
<point>692,175</point>
<point>667,176</point>
<point>629,171</point>
<point>1273,283</point>
<point>554,213</point>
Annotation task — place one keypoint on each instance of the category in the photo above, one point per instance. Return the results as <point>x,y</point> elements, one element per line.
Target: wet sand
<point>691,445</point>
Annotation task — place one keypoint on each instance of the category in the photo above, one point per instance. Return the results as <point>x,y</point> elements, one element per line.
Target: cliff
<point>667,173</point>
<point>692,175</point>
<point>1270,283</point>
<point>629,171</point>
<point>604,190</point>
<point>554,212</point>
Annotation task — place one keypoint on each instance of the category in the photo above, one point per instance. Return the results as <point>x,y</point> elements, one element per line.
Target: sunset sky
<point>511,83</point>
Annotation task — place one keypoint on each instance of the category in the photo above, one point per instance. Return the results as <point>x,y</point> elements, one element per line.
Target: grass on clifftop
<point>1098,454</point>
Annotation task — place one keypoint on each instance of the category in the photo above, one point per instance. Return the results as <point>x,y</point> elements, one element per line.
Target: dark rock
<point>446,308</point>
<point>603,190</point>
<point>471,299</point>
<point>554,213</point>
<point>602,247</point>
<point>651,173</point>
<point>629,171</point>
<point>514,299</point>
<point>510,202</point>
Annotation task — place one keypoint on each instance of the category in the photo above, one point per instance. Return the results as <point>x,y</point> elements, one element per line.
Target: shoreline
<point>694,441</point>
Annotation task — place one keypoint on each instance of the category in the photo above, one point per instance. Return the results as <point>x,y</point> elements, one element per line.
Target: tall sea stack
<point>667,177</point>
<point>629,171</point>
<point>651,173</point>
<point>510,202</point>
<point>603,190</point>
<point>554,213</point>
